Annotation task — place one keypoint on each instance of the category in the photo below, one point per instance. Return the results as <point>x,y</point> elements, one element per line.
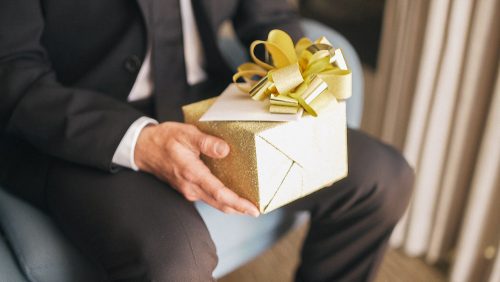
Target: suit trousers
<point>134,227</point>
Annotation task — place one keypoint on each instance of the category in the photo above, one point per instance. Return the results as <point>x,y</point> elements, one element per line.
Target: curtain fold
<point>495,273</point>
<point>476,83</point>
<point>435,98</point>
<point>479,234</point>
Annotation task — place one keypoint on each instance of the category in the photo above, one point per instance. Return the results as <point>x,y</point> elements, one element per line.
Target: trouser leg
<point>351,221</point>
<point>133,226</point>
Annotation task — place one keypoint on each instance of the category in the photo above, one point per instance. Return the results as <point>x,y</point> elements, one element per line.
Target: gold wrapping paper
<point>274,163</point>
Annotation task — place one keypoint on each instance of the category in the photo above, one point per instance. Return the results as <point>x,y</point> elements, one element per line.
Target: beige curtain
<point>435,99</point>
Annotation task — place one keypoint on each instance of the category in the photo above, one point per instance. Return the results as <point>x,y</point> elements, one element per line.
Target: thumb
<point>212,146</point>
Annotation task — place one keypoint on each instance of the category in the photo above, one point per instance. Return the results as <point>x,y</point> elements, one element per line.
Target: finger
<point>191,190</point>
<point>223,195</point>
<point>195,171</point>
<point>210,201</point>
<point>210,145</point>
<point>231,199</point>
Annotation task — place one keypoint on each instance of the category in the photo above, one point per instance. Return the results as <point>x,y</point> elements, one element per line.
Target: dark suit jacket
<point>67,67</point>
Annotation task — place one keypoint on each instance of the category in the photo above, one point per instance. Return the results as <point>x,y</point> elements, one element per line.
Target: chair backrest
<point>315,30</point>
<point>235,53</point>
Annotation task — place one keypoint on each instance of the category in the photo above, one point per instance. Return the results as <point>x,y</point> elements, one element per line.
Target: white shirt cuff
<point>124,154</point>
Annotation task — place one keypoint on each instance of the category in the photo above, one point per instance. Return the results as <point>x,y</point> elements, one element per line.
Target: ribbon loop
<point>305,98</point>
<point>261,90</point>
<point>295,76</point>
<point>287,78</point>
<point>282,104</point>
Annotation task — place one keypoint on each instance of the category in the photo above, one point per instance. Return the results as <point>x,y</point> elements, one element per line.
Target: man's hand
<point>171,151</point>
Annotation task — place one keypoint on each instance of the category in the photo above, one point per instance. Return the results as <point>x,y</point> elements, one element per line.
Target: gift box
<point>285,122</point>
<point>274,163</point>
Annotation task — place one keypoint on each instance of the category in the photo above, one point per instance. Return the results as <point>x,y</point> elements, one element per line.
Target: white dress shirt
<point>144,85</point>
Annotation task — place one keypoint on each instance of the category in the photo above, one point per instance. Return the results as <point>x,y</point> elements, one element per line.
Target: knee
<point>383,177</point>
<point>167,239</point>
<point>160,254</point>
<point>133,225</point>
<point>183,262</point>
<point>188,254</point>
<point>393,185</point>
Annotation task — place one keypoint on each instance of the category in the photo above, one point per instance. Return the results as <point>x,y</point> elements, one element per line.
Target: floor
<point>277,265</point>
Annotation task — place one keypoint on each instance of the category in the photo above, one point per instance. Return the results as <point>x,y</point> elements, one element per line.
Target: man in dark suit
<point>69,72</point>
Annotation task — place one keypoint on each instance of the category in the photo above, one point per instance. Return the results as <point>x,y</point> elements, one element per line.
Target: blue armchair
<point>33,249</point>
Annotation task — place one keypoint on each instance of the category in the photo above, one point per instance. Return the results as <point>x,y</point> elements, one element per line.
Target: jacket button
<point>132,64</point>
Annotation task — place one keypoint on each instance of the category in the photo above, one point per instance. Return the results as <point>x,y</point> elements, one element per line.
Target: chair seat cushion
<point>34,249</point>
<point>40,249</point>
<point>9,271</point>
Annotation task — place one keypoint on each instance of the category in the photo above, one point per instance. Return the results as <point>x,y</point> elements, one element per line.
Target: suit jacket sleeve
<point>255,18</point>
<point>77,125</point>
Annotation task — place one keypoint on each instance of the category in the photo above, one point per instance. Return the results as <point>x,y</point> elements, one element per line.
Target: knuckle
<point>177,173</point>
<point>191,129</point>
<point>170,145</point>
<point>190,195</point>
<point>204,143</point>
<point>219,195</point>
<point>184,188</point>
<point>188,174</point>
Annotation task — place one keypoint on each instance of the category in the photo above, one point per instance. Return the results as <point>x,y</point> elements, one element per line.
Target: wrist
<point>143,146</point>
<point>124,153</point>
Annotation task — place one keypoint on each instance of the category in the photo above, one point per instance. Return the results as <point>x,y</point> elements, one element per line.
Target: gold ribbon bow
<point>300,75</point>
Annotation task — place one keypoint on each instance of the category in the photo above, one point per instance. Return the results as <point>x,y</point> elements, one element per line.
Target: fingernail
<point>254,213</point>
<point>221,149</point>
